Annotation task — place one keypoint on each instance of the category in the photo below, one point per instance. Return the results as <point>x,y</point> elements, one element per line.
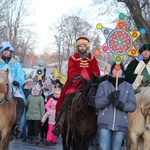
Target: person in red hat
<point>81,66</point>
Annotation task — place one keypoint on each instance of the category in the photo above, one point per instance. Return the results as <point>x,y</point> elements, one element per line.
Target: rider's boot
<point>62,114</point>
<point>20,105</point>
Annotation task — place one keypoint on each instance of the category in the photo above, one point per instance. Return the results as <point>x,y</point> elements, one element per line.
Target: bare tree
<point>67,30</point>
<point>13,28</point>
<point>137,12</point>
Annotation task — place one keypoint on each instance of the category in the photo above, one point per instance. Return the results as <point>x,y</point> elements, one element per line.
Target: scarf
<point>83,55</point>
<point>112,80</point>
<point>47,92</point>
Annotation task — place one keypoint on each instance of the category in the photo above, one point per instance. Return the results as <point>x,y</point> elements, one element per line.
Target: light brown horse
<point>7,110</point>
<point>138,133</point>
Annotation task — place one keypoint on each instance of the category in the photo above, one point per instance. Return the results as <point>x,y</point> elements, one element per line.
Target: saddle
<point>144,84</point>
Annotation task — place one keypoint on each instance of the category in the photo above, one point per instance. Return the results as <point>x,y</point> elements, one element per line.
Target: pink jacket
<point>50,114</point>
<point>48,104</point>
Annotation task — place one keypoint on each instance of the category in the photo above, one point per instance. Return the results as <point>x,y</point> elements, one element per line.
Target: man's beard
<point>80,51</point>
<point>84,54</point>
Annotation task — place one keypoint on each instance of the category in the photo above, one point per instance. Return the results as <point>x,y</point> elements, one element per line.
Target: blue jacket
<point>15,74</point>
<point>109,117</point>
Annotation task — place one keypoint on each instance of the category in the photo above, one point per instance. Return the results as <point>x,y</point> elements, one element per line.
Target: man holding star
<point>114,99</point>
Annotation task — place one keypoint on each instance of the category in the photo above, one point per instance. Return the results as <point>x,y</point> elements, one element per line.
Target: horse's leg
<point>5,138</point>
<point>133,138</point>
<point>79,144</point>
<point>66,147</point>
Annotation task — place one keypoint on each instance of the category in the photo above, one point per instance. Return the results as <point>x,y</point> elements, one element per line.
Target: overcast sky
<point>46,12</point>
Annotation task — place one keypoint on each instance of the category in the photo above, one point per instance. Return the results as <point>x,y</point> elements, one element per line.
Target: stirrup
<point>56,130</point>
<point>16,130</point>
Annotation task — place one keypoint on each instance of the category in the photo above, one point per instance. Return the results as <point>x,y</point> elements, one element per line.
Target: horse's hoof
<point>23,140</point>
<point>47,143</point>
<point>37,142</point>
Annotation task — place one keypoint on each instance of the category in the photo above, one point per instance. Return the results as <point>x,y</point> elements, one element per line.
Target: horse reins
<point>145,124</point>
<point>4,98</point>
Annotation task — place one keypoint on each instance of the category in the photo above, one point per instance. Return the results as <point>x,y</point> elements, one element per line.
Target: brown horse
<point>7,110</point>
<point>80,125</point>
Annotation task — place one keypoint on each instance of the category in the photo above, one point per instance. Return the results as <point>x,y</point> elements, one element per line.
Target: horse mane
<point>143,96</point>
<point>8,95</point>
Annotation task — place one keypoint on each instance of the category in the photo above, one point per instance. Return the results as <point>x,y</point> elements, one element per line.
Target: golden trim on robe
<point>138,70</point>
<point>137,81</point>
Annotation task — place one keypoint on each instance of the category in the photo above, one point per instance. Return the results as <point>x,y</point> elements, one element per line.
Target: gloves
<point>78,76</point>
<point>46,89</point>
<point>74,79</point>
<point>42,124</point>
<point>15,83</point>
<point>84,81</point>
<point>120,105</point>
<point>114,95</point>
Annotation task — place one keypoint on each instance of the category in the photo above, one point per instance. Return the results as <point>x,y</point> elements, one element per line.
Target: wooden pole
<point>117,81</point>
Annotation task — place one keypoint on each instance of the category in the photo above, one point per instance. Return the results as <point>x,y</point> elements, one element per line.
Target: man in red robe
<point>81,66</point>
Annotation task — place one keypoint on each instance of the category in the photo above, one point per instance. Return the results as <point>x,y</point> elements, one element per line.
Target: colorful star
<point>119,41</point>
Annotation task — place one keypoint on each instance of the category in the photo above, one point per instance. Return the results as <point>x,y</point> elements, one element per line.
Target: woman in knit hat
<point>48,90</point>
<point>114,99</point>
<point>16,78</point>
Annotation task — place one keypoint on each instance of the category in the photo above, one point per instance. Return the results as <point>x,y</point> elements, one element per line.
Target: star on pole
<point>119,41</point>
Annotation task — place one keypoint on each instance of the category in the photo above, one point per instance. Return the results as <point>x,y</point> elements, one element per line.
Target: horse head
<point>90,90</point>
<point>4,86</point>
<point>7,110</point>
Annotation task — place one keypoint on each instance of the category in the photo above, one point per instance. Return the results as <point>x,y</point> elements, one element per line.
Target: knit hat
<point>144,47</point>
<point>6,46</point>
<point>57,90</point>
<point>82,40</point>
<point>113,65</point>
<point>47,82</point>
<point>29,80</point>
<point>36,87</point>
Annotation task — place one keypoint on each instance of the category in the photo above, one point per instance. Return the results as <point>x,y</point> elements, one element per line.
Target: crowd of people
<point>40,113</point>
<point>40,101</point>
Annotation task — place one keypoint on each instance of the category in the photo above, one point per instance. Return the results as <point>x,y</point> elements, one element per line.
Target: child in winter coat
<point>47,93</point>
<point>55,97</point>
<point>35,112</point>
<point>51,139</point>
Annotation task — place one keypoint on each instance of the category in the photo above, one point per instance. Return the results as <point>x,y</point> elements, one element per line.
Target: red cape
<point>76,65</point>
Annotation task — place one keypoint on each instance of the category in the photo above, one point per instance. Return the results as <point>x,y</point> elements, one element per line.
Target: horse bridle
<point>145,124</point>
<point>85,97</point>
<point>4,98</point>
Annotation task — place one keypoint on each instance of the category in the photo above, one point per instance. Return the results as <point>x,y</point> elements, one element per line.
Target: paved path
<point>17,144</point>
